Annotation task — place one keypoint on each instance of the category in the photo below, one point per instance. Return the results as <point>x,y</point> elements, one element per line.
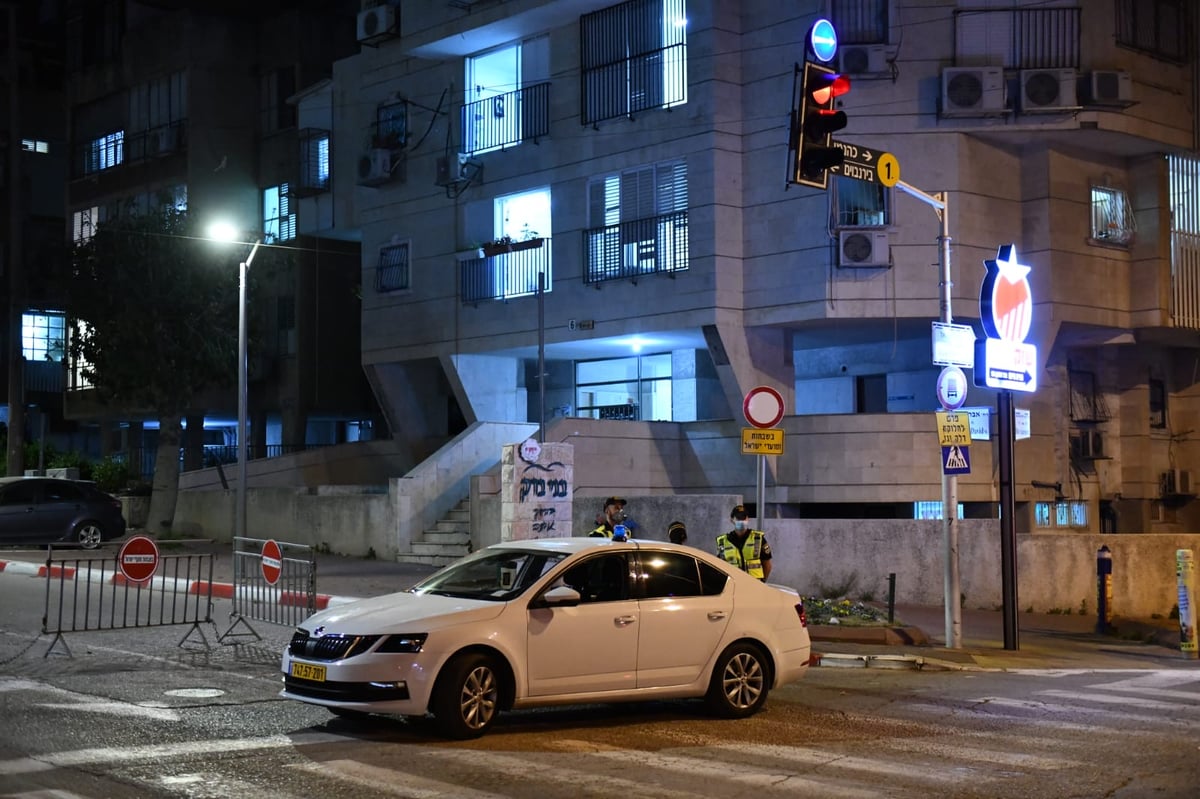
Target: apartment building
<point>584,210</point>
<point>193,104</point>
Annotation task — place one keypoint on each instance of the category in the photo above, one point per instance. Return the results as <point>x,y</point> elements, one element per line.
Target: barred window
<point>314,161</point>
<point>861,204</point>
<point>1156,27</point>
<point>634,58</point>
<point>393,274</point>
<point>279,223</point>
<point>44,336</point>
<point>1112,218</point>
<point>860,21</point>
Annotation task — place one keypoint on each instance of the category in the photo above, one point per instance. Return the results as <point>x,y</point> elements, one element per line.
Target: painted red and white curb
<point>271,596</point>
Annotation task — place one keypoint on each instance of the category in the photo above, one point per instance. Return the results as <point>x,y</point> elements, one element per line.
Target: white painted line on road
<point>1138,702</point>
<point>949,752</point>
<point>123,754</point>
<point>117,709</point>
<point>396,783</point>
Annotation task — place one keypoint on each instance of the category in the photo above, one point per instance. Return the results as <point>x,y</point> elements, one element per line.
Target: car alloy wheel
<point>739,682</point>
<point>88,534</point>
<point>467,696</point>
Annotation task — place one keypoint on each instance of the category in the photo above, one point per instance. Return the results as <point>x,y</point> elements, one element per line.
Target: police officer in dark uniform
<point>613,514</point>
<point>745,548</point>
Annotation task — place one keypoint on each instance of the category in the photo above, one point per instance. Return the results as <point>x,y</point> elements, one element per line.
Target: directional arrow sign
<point>1004,364</point>
<point>863,163</point>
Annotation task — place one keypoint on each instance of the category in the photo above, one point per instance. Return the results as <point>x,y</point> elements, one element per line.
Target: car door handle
<point>716,615</point>
<point>625,621</point>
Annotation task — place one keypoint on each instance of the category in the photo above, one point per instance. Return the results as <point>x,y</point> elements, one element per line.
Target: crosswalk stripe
<point>1138,702</point>
<point>213,783</point>
<point>396,783</point>
<point>950,753</point>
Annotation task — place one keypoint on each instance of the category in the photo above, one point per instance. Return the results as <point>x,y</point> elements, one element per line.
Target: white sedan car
<point>553,622</point>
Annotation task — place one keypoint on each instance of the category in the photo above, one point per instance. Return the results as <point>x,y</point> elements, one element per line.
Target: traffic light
<point>816,120</point>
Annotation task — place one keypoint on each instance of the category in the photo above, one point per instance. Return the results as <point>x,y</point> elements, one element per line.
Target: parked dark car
<point>50,510</point>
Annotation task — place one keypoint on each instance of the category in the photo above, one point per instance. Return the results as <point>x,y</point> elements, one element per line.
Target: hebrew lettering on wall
<point>537,501</point>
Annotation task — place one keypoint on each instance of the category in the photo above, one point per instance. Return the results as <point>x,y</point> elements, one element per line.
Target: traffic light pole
<point>953,587</point>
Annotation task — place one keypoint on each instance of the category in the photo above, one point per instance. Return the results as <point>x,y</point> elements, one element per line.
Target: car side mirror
<point>559,596</point>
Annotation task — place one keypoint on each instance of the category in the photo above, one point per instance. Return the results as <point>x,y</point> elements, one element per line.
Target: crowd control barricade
<point>273,582</point>
<point>90,593</point>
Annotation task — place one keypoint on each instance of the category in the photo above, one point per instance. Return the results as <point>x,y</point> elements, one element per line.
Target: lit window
<point>35,146</point>
<point>83,223</point>
<point>106,152</point>
<point>44,336</point>
<point>1112,218</point>
<point>314,161</point>
<point>931,510</point>
<point>279,223</point>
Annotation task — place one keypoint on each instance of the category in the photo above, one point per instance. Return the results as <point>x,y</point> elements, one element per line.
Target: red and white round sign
<point>138,559</point>
<point>763,406</point>
<point>272,562</point>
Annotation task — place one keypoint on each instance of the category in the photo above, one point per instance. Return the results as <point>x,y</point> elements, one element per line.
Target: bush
<point>70,460</point>
<point>111,475</point>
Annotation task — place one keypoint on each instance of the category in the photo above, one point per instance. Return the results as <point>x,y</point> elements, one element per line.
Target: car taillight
<point>802,614</point>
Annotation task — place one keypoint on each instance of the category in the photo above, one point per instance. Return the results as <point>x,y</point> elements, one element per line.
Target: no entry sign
<point>763,406</point>
<point>272,562</point>
<point>138,559</point>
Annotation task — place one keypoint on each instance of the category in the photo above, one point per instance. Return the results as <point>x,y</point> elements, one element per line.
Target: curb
<point>196,587</point>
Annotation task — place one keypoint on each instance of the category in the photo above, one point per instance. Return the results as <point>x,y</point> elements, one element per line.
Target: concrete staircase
<point>449,540</point>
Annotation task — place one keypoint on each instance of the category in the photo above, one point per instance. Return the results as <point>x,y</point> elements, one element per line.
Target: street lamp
<point>223,232</point>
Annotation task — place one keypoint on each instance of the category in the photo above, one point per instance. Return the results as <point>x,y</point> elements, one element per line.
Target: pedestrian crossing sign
<point>956,459</point>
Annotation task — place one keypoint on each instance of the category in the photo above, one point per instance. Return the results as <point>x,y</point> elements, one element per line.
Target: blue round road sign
<point>822,40</point>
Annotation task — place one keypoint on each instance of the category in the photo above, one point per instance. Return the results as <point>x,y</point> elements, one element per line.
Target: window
<point>634,58</point>
<point>1112,218</point>
<point>85,222</point>
<point>1158,404</point>
<point>105,152</point>
<point>861,204</point>
<point>279,224</point>
<point>391,126</point>
<point>1071,514</point>
<point>860,21</point>
<point>670,574</point>
<point>629,389</point>
<point>507,95</point>
<point>600,579</point>
<point>314,161</point>
<point>1156,27</point>
<point>274,112</point>
<point>35,146</point>
<point>44,336</point>
<point>76,377</point>
<point>393,272</point>
<point>638,221</point>
<point>522,217</point>
<point>931,510</point>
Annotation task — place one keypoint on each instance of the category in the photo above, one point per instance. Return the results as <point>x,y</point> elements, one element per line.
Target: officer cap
<point>614,501</point>
<point>739,512</point>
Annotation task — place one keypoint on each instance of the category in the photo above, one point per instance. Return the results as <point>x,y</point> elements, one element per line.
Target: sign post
<point>763,407</point>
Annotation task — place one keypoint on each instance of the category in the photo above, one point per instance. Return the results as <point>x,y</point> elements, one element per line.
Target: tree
<point>155,305</point>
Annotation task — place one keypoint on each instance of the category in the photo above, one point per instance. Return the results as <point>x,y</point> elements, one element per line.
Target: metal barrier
<point>274,582</point>
<point>91,593</point>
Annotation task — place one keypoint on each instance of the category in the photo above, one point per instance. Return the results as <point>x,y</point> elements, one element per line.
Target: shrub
<point>111,475</point>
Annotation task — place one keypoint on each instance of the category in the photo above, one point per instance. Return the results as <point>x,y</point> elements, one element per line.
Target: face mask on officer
<point>739,525</point>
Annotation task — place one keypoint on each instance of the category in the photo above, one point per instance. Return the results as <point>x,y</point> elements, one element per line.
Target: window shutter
<point>671,179</point>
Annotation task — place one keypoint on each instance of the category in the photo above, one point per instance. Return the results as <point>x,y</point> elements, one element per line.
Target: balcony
<point>506,119</point>
<point>505,272</point>
<point>118,149</point>
<point>629,250</point>
<point>1021,38</point>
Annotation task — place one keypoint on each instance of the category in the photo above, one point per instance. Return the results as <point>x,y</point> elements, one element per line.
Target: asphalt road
<point>133,714</point>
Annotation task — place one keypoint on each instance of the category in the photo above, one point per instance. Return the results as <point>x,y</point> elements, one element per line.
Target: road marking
<point>1133,701</point>
<point>396,783</point>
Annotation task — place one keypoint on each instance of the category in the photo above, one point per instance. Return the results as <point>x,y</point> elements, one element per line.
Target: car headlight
<point>408,644</point>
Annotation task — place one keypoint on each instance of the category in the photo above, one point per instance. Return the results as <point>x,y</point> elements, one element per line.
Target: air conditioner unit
<point>863,59</point>
<point>863,248</point>
<point>1108,87</point>
<point>376,24</point>
<point>972,91</point>
<point>1048,90</point>
<point>375,167</point>
<point>1175,482</point>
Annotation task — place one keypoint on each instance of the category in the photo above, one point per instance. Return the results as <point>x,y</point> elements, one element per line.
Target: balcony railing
<point>127,148</point>
<point>506,119</point>
<point>1021,38</point>
<point>504,275</point>
<point>639,247</point>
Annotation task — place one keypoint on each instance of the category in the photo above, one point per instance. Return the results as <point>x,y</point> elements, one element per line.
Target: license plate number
<point>304,671</point>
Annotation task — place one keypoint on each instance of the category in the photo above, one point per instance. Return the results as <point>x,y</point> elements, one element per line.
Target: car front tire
<point>466,698</point>
<point>740,682</point>
<point>88,535</point>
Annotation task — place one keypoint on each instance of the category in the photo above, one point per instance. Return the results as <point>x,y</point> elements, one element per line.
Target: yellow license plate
<point>304,671</point>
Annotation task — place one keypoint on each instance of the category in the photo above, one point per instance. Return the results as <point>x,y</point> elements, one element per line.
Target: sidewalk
<point>917,641</point>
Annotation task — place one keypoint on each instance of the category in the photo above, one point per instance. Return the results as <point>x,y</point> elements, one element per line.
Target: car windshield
<point>495,575</point>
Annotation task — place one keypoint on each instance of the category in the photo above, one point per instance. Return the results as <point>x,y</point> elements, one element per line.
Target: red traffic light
<point>816,121</point>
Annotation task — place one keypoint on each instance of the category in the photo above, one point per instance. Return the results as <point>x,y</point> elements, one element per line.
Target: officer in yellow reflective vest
<point>613,514</point>
<point>745,548</point>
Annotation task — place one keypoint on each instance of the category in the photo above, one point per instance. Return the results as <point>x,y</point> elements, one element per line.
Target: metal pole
<point>1008,544</point>
<point>542,357</point>
<point>16,260</point>
<point>239,527</point>
<point>760,493</point>
<point>952,586</point>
